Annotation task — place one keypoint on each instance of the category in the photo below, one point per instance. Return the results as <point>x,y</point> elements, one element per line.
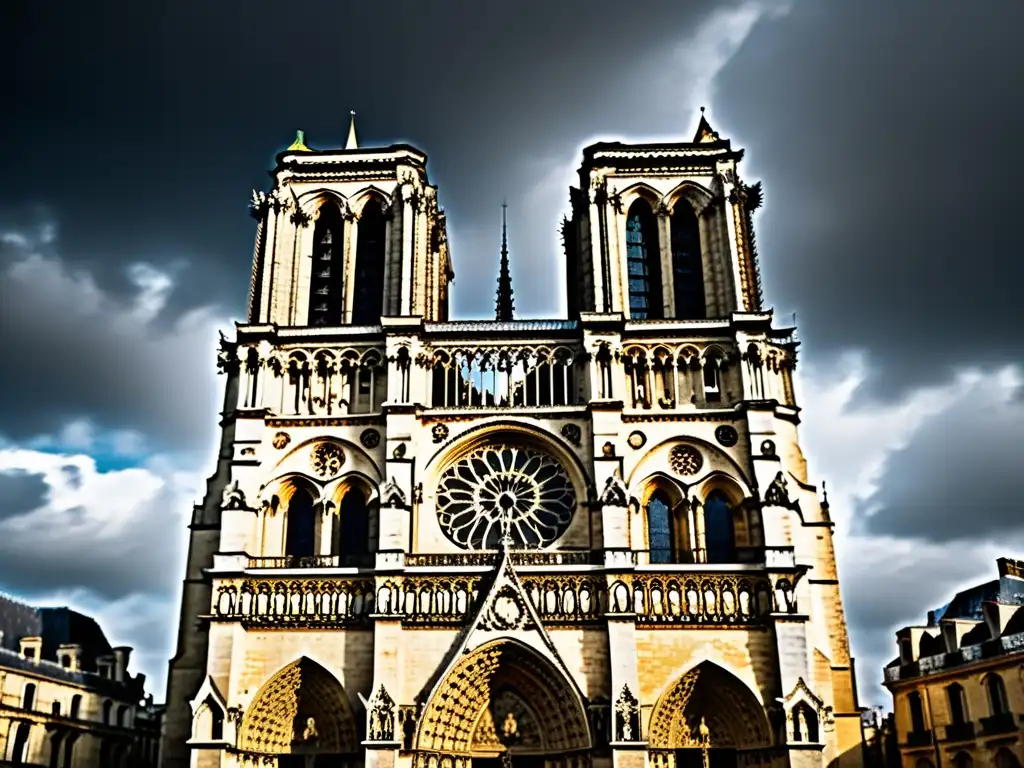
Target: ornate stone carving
<point>778,493</point>
<point>614,493</point>
<point>636,440</point>
<point>521,488</point>
<point>391,495</point>
<point>370,438</point>
<point>627,716</point>
<point>381,717</point>
<point>233,498</point>
<point>726,435</point>
<point>227,357</point>
<point>281,440</point>
<point>506,611</point>
<point>608,449</point>
<point>768,448</point>
<point>327,459</point>
<point>399,451</point>
<point>572,433</point>
<point>685,460</point>
<point>439,432</point>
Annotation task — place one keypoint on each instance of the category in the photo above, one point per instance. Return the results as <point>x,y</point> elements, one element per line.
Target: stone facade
<point>958,683</point>
<point>66,697</point>
<point>574,542</point>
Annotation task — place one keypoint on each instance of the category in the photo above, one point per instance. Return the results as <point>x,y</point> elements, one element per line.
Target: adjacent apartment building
<point>958,683</point>
<point>67,699</point>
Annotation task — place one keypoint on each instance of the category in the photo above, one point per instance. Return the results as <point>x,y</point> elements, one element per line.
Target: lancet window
<point>643,262</point>
<point>957,704</point>
<point>659,529</point>
<point>916,713</point>
<point>368,301</point>
<point>300,531</point>
<point>326,282</point>
<point>719,532</point>
<point>352,531</point>
<point>996,690</point>
<point>687,264</point>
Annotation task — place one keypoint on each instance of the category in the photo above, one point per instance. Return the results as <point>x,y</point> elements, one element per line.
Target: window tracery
<point>368,277</point>
<point>505,488</point>
<point>687,265</point>
<point>643,262</point>
<point>326,284</point>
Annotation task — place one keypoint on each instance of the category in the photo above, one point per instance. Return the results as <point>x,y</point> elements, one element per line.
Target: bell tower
<point>662,231</point>
<point>347,236</point>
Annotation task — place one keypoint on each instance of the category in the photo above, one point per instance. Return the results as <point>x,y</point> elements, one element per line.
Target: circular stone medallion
<point>327,459</point>
<point>685,460</point>
<point>727,435</point>
<point>636,440</point>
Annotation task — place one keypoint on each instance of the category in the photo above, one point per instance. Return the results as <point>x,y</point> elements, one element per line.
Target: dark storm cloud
<point>887,137</point>
<point>20,492</point>
<point>144,126</point>
<point>960,477</point>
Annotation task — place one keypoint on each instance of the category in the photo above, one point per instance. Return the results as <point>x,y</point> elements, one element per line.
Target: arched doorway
<point>302,710</point>
<point>708,708</point>
<point>503,705</point>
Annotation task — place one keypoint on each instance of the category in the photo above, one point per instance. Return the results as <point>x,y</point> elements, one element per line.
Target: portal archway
<point>503,698</point>
<point>708,707</point>
<point>303,710</point>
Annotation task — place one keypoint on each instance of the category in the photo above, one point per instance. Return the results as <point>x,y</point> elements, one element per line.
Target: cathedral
<point>553,543</point>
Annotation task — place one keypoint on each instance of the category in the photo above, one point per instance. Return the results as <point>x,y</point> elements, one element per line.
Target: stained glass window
<point>718,529</point>
<point>687,266</point>
<point>659,529</point>
<point>300,538</point>
<point>642,262</point>
<point>369,273</point>
<point>326,286</point>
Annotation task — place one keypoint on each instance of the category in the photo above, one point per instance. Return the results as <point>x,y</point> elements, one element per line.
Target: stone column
<point>668,297</point>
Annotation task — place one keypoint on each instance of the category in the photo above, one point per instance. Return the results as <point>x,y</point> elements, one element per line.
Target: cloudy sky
<point>883,133</point>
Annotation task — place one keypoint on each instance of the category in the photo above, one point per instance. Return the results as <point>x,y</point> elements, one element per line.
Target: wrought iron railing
<point>960,731</point>
<point>490,558</point>
<point>1004,722</point>
<point>671,556</point>
<point>919,738</point>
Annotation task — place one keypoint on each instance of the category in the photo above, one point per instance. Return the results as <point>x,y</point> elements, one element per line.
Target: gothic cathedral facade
<point>576,543</point>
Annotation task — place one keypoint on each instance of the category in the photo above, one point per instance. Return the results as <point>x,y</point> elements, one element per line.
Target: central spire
<point>505,304</point>
<point>352,143</point>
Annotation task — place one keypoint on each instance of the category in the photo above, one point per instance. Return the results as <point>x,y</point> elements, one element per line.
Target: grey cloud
<point>21,492</point>
<point>886,135</point>
<point>960,477</point>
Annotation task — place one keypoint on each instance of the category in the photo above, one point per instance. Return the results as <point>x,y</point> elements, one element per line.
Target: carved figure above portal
<point>511,486</point>
<point>234,497</point>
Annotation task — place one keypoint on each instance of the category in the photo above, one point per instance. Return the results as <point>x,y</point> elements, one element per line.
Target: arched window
<point>687,265</point>
<point>69,750</point>
<point>719,539</point>
<point>368,303</point>
<point>326,282</point>
<point>805,723</point>
<point>300,538</point>
<point>108,706</point>
<point>1006,759</point>
<point>643,262</point>
<point>957,704</point>
<point>28,698</point>
<point>354,525</point>
<point>659,528</point>
<point>19,750</point>
<point>122,715</point>
<point>916,713</point>
<point>76,705</point>
<point>963,760</point>
<point>997,703</point>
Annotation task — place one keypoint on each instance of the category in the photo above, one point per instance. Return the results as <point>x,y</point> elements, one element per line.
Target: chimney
<point>31,648</point>
<point>70,656</point>
<point>122,654</point>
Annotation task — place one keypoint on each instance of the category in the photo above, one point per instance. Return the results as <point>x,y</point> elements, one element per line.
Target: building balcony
<point>930,665</point>
<point>364,560</point>
<point>960,732</point>
<point>919,738</point>
<point>1004,722</point>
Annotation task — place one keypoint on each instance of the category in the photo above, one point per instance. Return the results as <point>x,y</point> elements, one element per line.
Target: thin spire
<point>299,145</point>
<point>505,303</point>
<point>705,132</point>
<point>352,143</point>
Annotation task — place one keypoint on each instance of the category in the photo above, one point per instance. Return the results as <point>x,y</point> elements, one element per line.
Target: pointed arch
<point>368,275</point>
<point>300,500</point>
<point>498,678</point>
<point>301,708</point>
<point>995,690</point>
<point>687,263</point>
<point>709,693</point>
<point>351,539</point>
<point>643,261</point>
<point>326,280</point>
<point>719,528</point>
<point>667,520</point>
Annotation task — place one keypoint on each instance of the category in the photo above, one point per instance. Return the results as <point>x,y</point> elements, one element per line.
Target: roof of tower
<point>705,133</point>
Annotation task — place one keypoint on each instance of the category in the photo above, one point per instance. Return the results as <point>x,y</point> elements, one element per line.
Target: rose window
<point>505,487</point>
